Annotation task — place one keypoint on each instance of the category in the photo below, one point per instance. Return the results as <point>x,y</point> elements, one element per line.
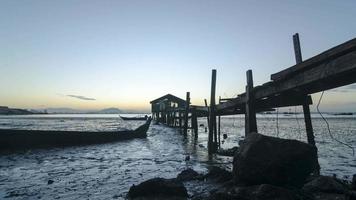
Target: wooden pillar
<point>308,123</point>
<point>306,110</point>
<point>211,145</point>
<point>297,49</point>
<point>250,114</point>
<point>186,113</point>
<point>219,119</point>
<point>180,119</point>
<point>195,122</point>
<point>207,117</point>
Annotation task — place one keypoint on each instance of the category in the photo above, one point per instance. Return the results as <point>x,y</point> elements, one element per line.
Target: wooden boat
<point>20,139</point>
<point>134,118</point>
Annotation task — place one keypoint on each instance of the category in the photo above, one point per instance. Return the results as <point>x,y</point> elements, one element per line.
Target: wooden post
<point>250,114</point>
<point>195,122</point>
<point>186,113</point>
<point>206,105</point>
<point>219,129</point>
<point>297,50</point>
<point>180,119</point>
<point>306,110</point>
<point>308,124</point>
<point>211,145</point>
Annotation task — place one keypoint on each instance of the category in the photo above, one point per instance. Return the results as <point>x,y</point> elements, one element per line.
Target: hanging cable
<point>277,123</point>
<point>296,118</point>
<point>327,124</point>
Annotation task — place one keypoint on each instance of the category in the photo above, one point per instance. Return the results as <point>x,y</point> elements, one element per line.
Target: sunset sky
<point>87,54</point>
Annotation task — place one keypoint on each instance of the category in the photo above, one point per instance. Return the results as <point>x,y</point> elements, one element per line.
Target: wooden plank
<point>232,103</point>
<point>326,56</point>
<point>334,73</point>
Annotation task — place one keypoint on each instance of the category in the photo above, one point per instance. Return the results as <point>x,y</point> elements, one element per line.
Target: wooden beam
<point>326,56</point>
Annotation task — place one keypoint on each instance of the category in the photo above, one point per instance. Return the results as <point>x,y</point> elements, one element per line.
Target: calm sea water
<point>106,171</point>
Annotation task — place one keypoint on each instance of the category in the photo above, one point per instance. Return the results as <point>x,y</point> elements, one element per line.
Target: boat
<point>134,118</point>
<point>23,139</point>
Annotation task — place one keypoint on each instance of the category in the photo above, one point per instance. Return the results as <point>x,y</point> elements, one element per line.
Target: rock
<point>220,175</point>
<point>353,182</point>
<point>227,152</point>
<point>50,182</point>
<point>224,136</point>
<point>187,158</point>
<point>269,160</point>
<point>325,184</point>
<point>158,187</point>
<point>187,175</point>
<point>328,196</point>
<point>264,192</point>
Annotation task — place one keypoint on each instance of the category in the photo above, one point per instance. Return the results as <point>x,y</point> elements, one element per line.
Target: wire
<point>327,124</point>
<point>296,117</point>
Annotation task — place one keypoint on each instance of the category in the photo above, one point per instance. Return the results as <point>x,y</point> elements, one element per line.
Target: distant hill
<point>109,111</point>
<point>78,111</point>
<point>4,110</point>
<point>64,111</point>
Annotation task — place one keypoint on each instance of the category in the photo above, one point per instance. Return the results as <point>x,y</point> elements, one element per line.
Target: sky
<point>88,54</point>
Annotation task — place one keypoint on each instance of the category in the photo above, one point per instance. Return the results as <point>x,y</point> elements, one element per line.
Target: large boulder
<point>325,184</point>
<point>218,174</point>
<point>187,175</point>
<point>269,160</point>
<point>257,192</point>
<point>158,187</point>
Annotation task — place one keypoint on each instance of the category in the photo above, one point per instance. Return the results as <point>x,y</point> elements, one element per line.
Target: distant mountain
<point>109,111</point>
<point>4,110</point>
<point>81,111</point>
<point>65,111</point>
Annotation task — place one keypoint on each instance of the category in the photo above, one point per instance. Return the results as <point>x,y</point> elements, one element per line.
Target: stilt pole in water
<point>211,145</point>
<point>186,113</point>
<point>250,114</point>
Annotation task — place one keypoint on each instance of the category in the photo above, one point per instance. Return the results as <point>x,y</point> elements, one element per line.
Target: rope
<point>327,124</point>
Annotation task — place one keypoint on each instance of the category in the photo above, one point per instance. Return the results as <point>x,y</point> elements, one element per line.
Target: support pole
<point>297,49</point>
<point>186,113</point>
<point>219,129</point>
<point>211,145</point>
<point>308,124</point>
<point>306,110</point>
<point>250,114</point>
<point>180,119</point>
<point>207,117</point>
<point>195,122</point>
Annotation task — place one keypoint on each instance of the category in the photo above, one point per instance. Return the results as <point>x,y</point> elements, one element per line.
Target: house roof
<point>168,97</point>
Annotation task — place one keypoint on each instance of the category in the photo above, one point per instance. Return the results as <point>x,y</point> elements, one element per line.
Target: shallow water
<point>106,171</point>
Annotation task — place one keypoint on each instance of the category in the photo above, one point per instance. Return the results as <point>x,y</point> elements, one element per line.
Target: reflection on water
<point>106,171</point>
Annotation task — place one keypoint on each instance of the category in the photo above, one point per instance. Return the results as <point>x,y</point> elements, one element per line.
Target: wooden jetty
<point>292,86</point>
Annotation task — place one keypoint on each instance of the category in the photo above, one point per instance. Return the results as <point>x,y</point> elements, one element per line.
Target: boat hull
<point>20,139</point>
